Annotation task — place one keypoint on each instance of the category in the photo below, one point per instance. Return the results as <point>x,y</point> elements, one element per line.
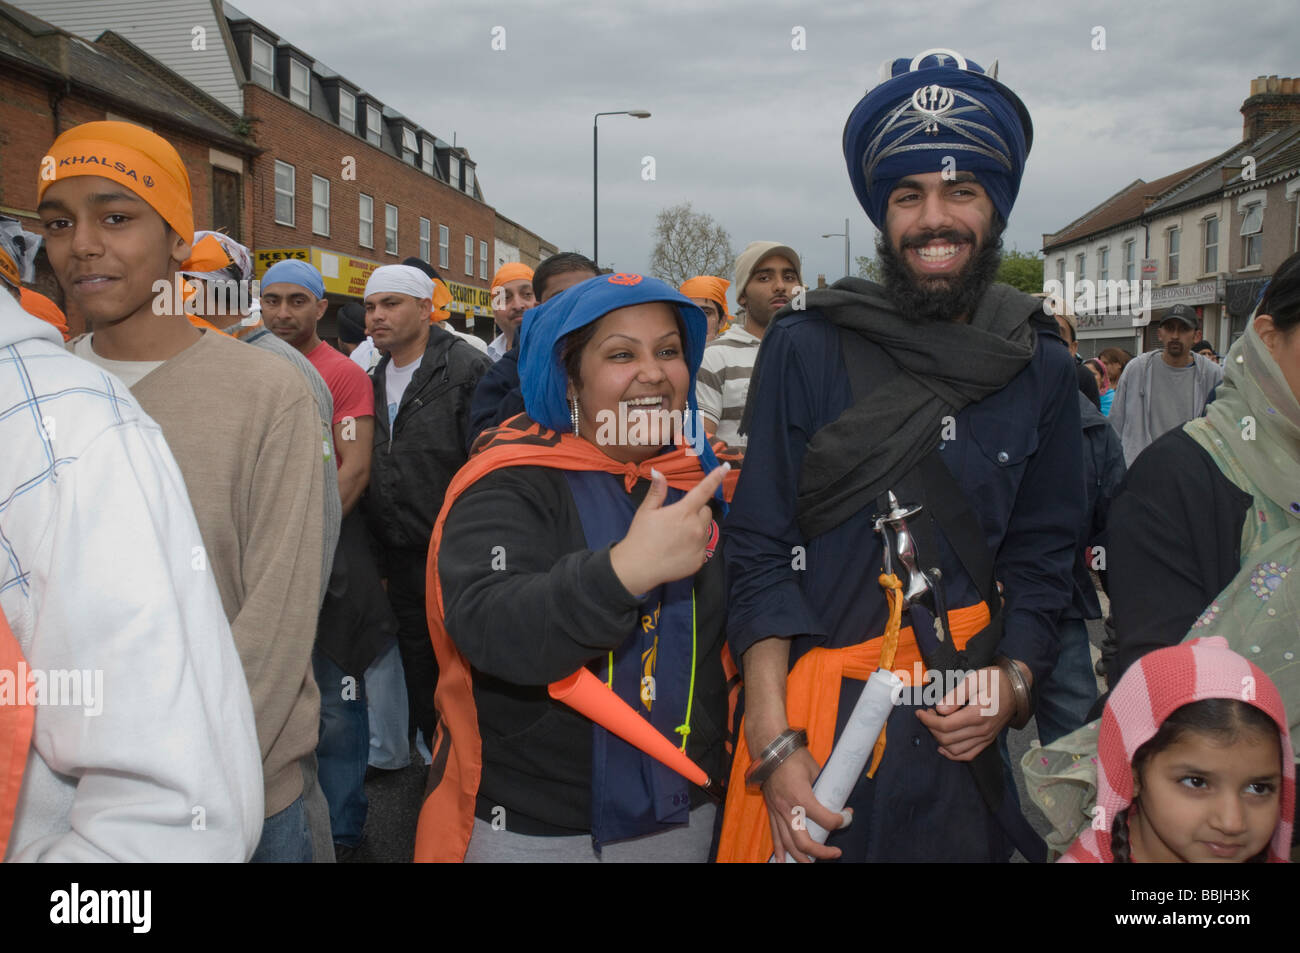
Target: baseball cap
<point>754,253</point>
<point>1183,313</point>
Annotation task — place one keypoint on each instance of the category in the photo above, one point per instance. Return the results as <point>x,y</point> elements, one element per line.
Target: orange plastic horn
<point>586,694</point>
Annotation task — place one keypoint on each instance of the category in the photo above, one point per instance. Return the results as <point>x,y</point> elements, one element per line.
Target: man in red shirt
<point>356,620</point>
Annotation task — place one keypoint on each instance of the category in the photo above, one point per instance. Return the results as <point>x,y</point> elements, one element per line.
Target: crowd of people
<point>619,576</point>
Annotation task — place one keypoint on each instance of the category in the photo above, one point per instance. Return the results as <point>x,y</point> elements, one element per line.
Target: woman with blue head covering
<point>582,533</point>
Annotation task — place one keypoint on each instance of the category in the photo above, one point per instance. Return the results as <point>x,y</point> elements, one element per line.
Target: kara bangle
<point>777,751</point>
<point>1019,691</point>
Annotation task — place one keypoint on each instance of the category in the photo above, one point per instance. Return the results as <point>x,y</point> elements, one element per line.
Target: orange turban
<point>129,155</point>
<point>36,304</point>
<point>707,286</point>
<point>512,271</point>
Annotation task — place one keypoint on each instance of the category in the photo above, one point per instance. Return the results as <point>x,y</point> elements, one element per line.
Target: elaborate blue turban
<point>542,377</point>
<point>935,105</point>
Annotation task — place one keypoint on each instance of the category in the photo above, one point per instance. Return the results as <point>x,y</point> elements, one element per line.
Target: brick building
<point>343,179</point>
<point>51,81</point>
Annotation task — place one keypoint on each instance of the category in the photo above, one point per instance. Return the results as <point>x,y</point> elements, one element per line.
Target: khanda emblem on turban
<point>932,102</point>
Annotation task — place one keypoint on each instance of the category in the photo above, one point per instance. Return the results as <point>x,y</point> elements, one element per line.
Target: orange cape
<point>447,816</point>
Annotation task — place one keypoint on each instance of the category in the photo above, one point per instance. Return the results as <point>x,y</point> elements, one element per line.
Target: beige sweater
<point>244,429</point>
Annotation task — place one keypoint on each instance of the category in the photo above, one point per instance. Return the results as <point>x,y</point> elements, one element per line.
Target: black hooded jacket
<point>412,465</point>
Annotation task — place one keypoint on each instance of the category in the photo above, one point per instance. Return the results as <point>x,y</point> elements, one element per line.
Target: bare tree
<point>689,243</point>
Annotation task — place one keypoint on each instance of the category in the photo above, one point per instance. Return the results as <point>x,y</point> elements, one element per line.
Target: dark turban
<point>936,105</point>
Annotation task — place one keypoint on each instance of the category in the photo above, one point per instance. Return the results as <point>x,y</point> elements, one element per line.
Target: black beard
<point>940,299</point>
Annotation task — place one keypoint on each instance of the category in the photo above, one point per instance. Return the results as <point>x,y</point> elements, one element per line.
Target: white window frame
<point>282,192</point>
<point>390,229</point>
<point>1130,259</point>
<point>1103,262</point>
<point>410,146</point>
<point>1080,266</point>
<point>348,117</point>
<point>469,180</point>
<point>453,171</point>
<point>255,69</point>
<point>482,260</point>
<point>444,246</point>
<point>1208,245</point>
<point>469,255</point>
<point>320,213</point>
<point>424,239</point>
<point>375,128</point>
<point>1060,270</point>
<point>1252,237</point>
<point>299,93</point>
<point>428,158</point>
<point>366,221</point>
<point>1173,236</point>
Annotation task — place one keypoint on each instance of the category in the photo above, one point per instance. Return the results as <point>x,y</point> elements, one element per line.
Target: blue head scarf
<point>936,105</point>
<point>295,272</point>
<point>542,377</point>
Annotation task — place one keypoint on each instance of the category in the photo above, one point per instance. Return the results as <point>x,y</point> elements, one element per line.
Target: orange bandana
<point>131,156</point>
<point>9,269</point>
<point>511,271</point>
<point>441,297</point>
<point>707,286</point>
<point>36,304</point>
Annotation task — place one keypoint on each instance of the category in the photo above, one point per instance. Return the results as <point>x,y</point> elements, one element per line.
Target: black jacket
<point>1103,469</point>
<point>411,467</point>
<point>528,603</point>
<point>1175,544</point>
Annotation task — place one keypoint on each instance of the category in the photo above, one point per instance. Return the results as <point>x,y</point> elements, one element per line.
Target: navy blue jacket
<point>497,397</point>
<point>1017,454</point>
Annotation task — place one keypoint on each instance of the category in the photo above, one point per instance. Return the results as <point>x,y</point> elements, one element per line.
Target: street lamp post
<point>595,152</point>
<point>845,235</point>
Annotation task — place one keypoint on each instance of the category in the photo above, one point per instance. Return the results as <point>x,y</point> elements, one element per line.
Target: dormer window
<point>263,63</point>
<point>347,111</point>
<point>299,84</point>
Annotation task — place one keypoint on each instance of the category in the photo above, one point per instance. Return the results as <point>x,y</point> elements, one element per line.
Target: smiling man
<point>242,425</point>
<point>767,274</point>
<point>512,288</point>
<point>957,395</point>
<point>1161,390</point>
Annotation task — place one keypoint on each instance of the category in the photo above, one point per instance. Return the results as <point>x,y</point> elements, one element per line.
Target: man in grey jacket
<point>1161,390</point>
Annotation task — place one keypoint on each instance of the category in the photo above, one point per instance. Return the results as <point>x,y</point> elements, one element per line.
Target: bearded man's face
<point>941,247</point>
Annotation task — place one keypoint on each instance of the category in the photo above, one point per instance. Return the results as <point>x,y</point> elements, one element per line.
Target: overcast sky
<point>748,129</point>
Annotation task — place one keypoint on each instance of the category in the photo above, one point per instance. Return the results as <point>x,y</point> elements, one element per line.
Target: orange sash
<point>15,733</point>
<point>812,702</point>
<point>447,815</point>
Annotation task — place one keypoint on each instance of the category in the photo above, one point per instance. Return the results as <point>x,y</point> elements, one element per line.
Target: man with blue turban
<point>913,445</point>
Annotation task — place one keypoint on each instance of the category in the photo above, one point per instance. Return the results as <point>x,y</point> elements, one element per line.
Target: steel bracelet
<point>1019,691</point>
<point>777,751</point>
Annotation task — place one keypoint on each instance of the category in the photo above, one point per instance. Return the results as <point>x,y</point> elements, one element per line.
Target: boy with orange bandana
<point>115,202</point>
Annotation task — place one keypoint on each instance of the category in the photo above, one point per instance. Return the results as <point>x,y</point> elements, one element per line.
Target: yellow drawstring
<point>894,594</point>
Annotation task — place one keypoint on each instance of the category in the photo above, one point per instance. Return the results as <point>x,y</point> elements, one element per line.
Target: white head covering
<point>402,279</point>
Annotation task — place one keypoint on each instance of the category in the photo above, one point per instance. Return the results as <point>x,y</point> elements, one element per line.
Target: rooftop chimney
<point>1272,104</point>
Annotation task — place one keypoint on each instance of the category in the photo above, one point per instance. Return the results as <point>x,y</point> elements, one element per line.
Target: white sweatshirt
<point>104,583</point>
